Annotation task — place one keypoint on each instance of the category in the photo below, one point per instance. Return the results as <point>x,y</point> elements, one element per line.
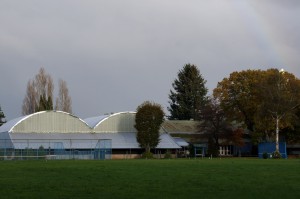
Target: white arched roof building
<point>47,128</point>
<point>46,122</point>
<point>43,129</point>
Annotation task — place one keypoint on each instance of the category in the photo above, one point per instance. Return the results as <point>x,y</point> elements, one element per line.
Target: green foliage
<point>2,117</point>
<point>147,155</point>
<point>45,104</point>
<point>293,134</point>
<point>42,152</point>
<point>191,149</point>
<point>168,154</point>
<point>148,120</point>
<point>189,94</point>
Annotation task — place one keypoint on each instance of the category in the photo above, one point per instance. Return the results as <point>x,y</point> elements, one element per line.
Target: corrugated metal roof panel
<point>117,122</point>
<point>181,142</point>
<point>167,142</point>
<point>46,122</point>
<point>85,141</point>
<point>178,126</point>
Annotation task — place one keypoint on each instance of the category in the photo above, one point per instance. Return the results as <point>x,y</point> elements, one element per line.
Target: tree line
<point>257,101</point>
<point>261,102</point>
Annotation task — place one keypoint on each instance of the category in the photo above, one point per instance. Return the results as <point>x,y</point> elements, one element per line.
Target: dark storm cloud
<point>116,54</point>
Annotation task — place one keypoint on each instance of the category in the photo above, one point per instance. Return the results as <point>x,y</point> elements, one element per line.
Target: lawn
<point>190,178</point>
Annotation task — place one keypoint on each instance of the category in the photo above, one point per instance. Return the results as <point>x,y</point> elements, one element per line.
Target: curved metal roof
<point>41,121</point>
<point>117,122</point>
<point>8,126</point>
<point>48,125</point>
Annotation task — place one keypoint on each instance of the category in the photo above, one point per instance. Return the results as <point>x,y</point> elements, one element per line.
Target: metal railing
<point>26,149</point>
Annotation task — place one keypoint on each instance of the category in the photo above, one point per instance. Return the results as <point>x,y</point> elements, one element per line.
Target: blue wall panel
<point>270,147</point>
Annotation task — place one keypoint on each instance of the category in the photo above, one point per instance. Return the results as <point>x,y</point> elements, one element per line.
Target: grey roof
<point>11,123</point>
<point>5,141</point>
<point>181,142</point>
<point>84,141</point>
<point>94,121</point>
<point>122,138</point>
<point>181,126</point>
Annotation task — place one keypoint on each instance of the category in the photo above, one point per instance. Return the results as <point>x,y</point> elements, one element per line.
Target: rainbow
<point>263,31</point>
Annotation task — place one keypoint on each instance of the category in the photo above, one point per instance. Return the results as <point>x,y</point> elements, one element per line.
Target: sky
<point>116,54</point>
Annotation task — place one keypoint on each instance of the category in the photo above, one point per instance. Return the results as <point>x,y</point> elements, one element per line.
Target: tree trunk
<point>277,134</point>
<point>147,148</point>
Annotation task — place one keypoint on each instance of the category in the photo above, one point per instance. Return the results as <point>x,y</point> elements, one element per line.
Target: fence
<point>26,149</point>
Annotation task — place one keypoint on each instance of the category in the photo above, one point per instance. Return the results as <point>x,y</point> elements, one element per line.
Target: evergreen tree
<point>2,117</point>
<point>41,106</point>
<point>45,104</point>
<point>49,103</point>
<point>189,94</point>
<point>149,118</point>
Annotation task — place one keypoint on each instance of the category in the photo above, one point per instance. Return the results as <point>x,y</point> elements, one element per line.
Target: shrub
<point>191,150</point>
<point>41,152</point>
<point>265,155</point>
<point>168,155</point>
<point>147,155</point>
<point>276,155</point>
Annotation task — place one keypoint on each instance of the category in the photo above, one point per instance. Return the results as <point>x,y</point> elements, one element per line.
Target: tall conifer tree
<point>189,95</point>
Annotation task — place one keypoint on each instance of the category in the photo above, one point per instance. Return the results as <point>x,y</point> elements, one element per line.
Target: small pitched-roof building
<point>189,131</point>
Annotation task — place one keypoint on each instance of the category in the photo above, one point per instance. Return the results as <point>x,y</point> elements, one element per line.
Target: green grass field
<point>190,178</point>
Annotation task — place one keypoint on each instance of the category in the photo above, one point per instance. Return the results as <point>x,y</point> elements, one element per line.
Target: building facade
<point>60,135</point>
